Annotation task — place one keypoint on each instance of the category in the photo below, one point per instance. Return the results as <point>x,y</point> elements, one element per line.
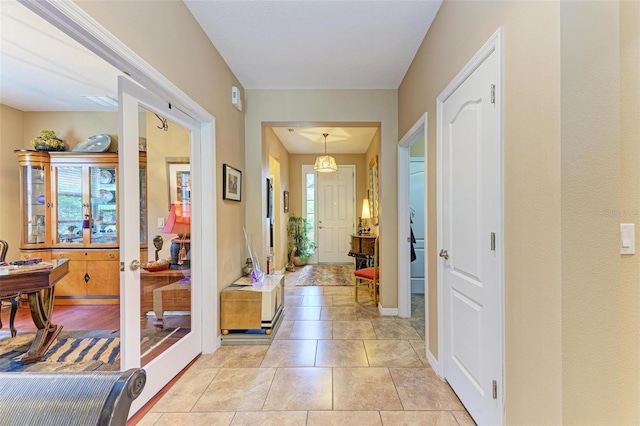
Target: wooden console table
<point>39,284</point>
<point>252,307</point>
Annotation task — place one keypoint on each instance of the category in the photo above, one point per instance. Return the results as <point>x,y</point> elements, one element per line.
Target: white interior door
<point>471,221</point>
<point>140,339</point>
<point>336,219</point>
<point>416,197</point>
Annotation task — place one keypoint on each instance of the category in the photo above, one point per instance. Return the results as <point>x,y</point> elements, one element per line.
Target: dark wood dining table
<point>38,283</point>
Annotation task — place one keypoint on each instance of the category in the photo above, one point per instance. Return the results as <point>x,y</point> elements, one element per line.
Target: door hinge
<point>493,93</point>
<point>495,389</point>
<point>493,241</point>
<point>121,266</point>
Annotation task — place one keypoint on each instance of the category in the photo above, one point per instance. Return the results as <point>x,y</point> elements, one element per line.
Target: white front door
<point>471,222</point>
<point>147,327</point>
<point>416,197</point>
<point>335,215</point>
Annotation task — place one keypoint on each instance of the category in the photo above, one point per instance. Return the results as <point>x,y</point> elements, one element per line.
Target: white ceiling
<point>267,44</point>
<point>340,140</point>
<point>42,69</point>
<point>308,44</point>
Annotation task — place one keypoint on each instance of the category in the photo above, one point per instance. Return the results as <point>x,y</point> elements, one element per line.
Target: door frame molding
<point>80,26</point>
<point>494,44</point>
<point>419,128</point>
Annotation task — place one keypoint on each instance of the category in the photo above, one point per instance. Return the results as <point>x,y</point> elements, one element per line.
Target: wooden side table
<point>251,307</point>
<point>362,249</point>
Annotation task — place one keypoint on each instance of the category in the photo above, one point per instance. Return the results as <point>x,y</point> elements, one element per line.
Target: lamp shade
<point>179,220</point>
<point>325,164</point>
<point>366,214</point>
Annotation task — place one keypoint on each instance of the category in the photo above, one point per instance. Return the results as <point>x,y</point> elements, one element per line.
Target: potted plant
<point>300,246</point>
<point>47,141</point>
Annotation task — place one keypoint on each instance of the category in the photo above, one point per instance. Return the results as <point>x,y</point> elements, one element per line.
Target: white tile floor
<point>332,362</point>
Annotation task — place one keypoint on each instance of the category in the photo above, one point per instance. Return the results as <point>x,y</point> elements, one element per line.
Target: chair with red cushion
<point>369,277</point>
<point>10,297</point>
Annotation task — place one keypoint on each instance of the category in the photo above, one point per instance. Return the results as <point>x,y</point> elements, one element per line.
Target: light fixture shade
<point>325,164</point>
<point>178,222</point>
<point>366,214</point>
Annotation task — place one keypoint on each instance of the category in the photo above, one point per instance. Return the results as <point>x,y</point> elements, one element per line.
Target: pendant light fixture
<point>325,163</point>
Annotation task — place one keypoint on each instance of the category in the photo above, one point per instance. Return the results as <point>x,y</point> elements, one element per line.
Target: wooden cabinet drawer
<point>87,255</point>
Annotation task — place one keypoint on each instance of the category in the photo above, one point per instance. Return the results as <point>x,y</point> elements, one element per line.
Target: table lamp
<point>179,222</point>
<point>366,215</point>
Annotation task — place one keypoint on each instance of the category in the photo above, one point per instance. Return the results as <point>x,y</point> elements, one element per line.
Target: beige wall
<point>72,127</point>
<point>11,138</point>
<point>630,202</point>
<point>327,106</point>
<point>279,168</point>
<point>193,64</point>
<point>572,175</point>
<point>600,174</point>
<point>533,367</point>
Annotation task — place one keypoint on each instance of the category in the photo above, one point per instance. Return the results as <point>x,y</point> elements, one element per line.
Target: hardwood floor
<point>88,317</point>
<point>94,317</point>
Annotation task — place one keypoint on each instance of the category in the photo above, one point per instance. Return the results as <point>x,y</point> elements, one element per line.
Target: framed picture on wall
<point>179,180</point>
<point>231,183</point>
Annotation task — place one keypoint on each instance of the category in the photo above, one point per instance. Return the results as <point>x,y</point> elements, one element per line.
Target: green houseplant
<point>300,246</point>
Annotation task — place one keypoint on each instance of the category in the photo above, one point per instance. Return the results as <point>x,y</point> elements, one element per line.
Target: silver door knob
<point>444,253</point>
<point>135,265</point>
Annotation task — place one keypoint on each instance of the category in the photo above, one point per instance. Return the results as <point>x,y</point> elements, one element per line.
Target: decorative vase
<point>298,261</point>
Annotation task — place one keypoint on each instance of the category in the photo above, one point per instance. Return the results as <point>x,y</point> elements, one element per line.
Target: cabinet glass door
<point>35,205</point>
<point>68,205</point>
<point>103,215</point>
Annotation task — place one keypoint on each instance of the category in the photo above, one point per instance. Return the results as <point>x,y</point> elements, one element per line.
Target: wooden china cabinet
<point>69,209</point>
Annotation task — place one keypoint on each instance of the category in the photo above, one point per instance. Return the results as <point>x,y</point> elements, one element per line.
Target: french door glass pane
<point>69,208</point>
<point>104,215</point>
<point>165,283</point>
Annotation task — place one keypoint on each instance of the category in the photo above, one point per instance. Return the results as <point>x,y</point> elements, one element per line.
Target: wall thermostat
<point>235,98</point>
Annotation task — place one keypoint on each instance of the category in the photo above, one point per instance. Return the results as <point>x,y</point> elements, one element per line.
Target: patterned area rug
<point>74,350</point>
<point>326,275</point>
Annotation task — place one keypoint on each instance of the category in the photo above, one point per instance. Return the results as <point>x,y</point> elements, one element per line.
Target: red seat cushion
<point>367,273</point>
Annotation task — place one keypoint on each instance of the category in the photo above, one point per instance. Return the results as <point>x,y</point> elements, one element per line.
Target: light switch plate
<point>160,222</point>
<point>627,238</point>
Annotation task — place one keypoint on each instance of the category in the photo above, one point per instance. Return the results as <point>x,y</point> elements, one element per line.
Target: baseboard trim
<point>433,362</point>
<point>387,312</point>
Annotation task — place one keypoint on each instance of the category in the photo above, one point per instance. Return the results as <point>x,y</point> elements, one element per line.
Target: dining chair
<point>369,277</point>
<point>10,297</point>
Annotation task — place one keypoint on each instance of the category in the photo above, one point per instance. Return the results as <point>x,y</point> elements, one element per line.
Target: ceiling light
<point>105,101</point>
<point>325,163</point>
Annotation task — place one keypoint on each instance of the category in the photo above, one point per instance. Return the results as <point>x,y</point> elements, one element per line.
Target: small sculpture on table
<point>291,267</point>
<point>157,243</point>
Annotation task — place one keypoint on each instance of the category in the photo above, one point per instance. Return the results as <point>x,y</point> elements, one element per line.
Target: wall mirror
<point>373,190</point>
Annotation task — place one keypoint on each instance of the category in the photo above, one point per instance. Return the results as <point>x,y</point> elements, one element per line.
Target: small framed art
<point>231,183</point>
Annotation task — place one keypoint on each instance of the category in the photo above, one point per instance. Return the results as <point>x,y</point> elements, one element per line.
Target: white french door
<point>154,189</point>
